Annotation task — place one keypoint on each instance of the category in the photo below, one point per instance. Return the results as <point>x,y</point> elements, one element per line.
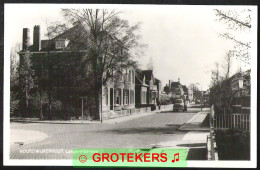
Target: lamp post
<point>240,84</point>
<point>82,107</point>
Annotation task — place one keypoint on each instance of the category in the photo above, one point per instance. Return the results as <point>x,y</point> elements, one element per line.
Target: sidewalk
<point>194,141</point>
<point>134,116</point>
<point>24,137</point>
<point>196,122</point>
<point>36,120</point>
<point>109,121</point>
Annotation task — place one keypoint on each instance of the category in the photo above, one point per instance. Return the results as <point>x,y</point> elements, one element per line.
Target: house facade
<point>120,94</point>
<point>141,90</point>
<point>56,66</point>
<point>147,88</point>
<point>152,93</point>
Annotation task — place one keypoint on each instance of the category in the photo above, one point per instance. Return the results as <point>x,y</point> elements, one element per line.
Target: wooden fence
<point>230,121</point>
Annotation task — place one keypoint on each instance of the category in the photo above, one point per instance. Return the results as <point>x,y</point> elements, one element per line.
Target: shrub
<point>233,144</point>
<point>153,106</point>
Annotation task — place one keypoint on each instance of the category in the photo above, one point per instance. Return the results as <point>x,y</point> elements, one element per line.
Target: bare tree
<point>227,64</point>
<point>150,65</point>
<point>26,82</point>
<point>14,77</point>
<point>237,20</point>
<point>107,42</point>
<point>166,89</point>
<point>215,77</point>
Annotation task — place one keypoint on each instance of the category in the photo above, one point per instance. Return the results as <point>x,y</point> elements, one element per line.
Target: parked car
<point>179,104</point>
<point>197,102</point>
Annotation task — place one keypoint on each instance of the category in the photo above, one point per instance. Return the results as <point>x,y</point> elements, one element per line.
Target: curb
<point>49,122</point>
<point>189,126</point>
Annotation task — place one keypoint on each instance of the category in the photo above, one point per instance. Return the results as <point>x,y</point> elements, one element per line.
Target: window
<point>106,96</point>
<point>118,96</point>
<point>131,97</point>
<point>143,97</point>
<point>126,97</point>
<point>60,44</point>
<point>133,77</point>
<point>129,76</point>
<point>125,77</point>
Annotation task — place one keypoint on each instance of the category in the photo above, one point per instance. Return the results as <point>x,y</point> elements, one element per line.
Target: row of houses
<point>135,88</point>
<point>176,90</point>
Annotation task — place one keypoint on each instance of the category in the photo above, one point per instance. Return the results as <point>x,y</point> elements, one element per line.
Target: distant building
<point>176,89</point>
<point>158,83</point>
<point>185,92</point>
<point>147,85</point>
<point>190,96</point>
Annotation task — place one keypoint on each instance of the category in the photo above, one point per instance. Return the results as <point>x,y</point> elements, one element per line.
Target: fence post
<point>234,120</point>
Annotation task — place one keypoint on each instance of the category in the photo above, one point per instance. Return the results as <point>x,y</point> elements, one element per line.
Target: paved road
<point>143,132</point>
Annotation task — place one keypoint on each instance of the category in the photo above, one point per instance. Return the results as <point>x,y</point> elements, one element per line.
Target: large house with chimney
<point>55,63</point>
<point>49,58</point>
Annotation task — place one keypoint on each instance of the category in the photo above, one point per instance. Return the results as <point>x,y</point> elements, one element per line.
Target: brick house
<point>120,95</point>
<point>48,59</point>
<point>141,89</point>
<point>147,85</point>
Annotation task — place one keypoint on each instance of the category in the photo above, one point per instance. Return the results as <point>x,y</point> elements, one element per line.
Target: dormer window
<point>61,43</point>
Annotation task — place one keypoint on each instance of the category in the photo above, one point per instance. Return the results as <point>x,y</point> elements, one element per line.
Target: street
<point>143,132</point>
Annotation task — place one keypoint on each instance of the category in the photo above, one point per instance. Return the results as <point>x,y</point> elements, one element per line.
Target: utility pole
<point>101,89</point>
<point>82,108</point>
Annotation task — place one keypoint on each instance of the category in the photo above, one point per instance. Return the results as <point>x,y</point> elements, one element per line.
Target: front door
<point>111,98</point>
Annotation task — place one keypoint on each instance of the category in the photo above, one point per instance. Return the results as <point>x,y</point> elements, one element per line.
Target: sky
<point>182,41</point>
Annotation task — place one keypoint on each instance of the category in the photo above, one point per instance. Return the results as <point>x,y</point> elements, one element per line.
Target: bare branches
<point>237,20</point>
<point>228,36</point>
<point>104,35</point>
<point>232,16</point>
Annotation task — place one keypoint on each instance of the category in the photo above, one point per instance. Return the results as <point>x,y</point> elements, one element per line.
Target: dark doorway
<point>111,98</point>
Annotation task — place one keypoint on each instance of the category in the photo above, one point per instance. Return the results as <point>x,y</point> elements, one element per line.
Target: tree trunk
<point>97,104</point>
<point>49,86</point>
<point>41,115</point>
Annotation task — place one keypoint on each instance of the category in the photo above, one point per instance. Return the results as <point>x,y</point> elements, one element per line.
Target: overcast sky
<point>182,40</point>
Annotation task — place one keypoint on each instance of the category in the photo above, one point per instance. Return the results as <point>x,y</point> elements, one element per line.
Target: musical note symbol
<point>177,159</point>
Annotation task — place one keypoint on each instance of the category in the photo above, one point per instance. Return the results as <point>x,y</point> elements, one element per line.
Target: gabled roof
<point>157,81</point>
<point>185,89</point>
<point>175,84</point>
<point>139,77</point>
<point>148,74</point>
<point>73,35</point>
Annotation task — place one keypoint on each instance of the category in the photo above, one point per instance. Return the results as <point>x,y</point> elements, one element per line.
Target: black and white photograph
<point>143,77</point>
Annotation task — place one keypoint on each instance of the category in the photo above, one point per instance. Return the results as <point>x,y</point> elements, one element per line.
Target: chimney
<point>179,80</point>
<point>26,38</point>
<point>36,38</point>
<point>169,84</point>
